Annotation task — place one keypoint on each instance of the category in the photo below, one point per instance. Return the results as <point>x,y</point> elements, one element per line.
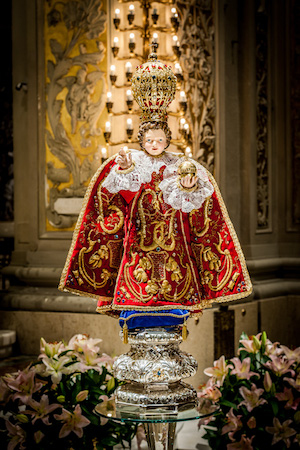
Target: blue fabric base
<point>161,318</point>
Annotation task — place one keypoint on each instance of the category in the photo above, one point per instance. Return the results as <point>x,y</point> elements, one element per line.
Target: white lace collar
<point>153,163</point>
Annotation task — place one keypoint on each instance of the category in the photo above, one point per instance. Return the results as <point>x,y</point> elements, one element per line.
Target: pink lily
<point>218,371</point>
<point>233,424</point>
<point>50,349</point>
<point>243,444</point>
<point>251,345</point>
<point>81,342</point>
<point>105,398</point>
<point>74,422</point>
<point>281,431</point>
<point>23,384</point>
<point>56,367</point>
<point>287,396</point>
<point>292,354</point>
<point>38,436</point>
<point>251,423</point>
<point>242,368</point>
<point>295,383</point>
<point>267,381</point>
<point>205,406</point>
<point>17,435</point>
<point>273,348</point>
<point>210,391</point>
<point>82,395</point>
<point>90,359</point>
<point>5,392</point>
<point>251,398</point>
<point>42,409</point>
<point>140,436</point>
<point>280,365</point>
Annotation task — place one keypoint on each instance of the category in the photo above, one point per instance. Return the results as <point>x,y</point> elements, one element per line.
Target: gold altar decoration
<point>75,90</point>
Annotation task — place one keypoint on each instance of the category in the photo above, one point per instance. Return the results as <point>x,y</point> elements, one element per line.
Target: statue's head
<point>154,137</point>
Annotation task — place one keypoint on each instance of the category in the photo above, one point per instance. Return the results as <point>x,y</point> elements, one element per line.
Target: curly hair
<point>146,126</point>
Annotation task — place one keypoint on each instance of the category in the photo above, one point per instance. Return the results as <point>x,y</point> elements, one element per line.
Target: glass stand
<point>159,424</point>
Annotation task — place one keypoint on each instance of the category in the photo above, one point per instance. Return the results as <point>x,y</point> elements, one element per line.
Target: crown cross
<point>153,47</point>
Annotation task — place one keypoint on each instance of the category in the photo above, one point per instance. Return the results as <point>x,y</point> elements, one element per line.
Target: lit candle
<point>186,127</point>
<point>154,11</point>
<point>116,42</point>
<point>117,13</point>
<point>131,38</point>
<point>109,95</point>
<point>128,67</point>
<point>174,12</point>
<point>175,40</point>
<point>131,9</point>
<point>112,70</point>
<point>104,152</point>
<point>182,96</point>
<point>125,148</point>
<point>155,38</point>
<point>178,68</point>
<point>188,151</point>
<point>107,127</point>
<point>129,124</point>
<point>129,95</point>
<point>181,123</point>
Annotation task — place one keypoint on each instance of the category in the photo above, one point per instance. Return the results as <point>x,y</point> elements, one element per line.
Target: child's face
<point>155,142</point>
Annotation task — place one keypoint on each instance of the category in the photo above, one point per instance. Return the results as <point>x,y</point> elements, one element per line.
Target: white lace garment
<point>141,173</point>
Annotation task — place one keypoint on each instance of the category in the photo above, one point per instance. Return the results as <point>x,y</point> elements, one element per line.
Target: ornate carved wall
<point>75,94</point>
<point>197,41</point>
<point>262,116</point>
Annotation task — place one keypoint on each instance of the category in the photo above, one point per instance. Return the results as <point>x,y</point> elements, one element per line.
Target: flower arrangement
<point>258,395</point>
<point>50,404</point>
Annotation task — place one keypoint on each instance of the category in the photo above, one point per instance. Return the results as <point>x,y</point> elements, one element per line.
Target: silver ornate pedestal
<point>153,369</point>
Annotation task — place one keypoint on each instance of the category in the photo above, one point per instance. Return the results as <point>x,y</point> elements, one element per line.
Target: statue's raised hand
<point>124,159</point>
<point>188,181</point>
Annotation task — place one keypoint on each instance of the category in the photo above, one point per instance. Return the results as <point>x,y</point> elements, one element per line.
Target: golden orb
<point>187,168</point>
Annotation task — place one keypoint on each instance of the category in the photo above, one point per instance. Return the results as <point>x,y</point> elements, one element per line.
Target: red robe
<point>133,251</point>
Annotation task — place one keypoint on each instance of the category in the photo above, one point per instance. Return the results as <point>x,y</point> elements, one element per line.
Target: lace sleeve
<point>123,180</point>
<point>132,179</point>
<point>180,198</point>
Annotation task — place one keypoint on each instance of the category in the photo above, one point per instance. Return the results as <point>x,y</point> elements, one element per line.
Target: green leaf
<point>62,388</point>
<point>244,336</point>
<point>111,384</point>
<point>228,403</point>
<point>65,352</point>
<point>275,407</point>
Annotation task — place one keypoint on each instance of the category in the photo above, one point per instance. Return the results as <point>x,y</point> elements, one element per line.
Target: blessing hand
<point>124,159</point>
<point>188,181</point>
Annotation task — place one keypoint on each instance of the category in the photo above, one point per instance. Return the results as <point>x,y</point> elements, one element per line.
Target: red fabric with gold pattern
<point>133,251</point>
<point>96,251</point>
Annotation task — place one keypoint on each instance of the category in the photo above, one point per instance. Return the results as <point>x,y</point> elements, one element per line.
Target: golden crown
<point>153,88</point>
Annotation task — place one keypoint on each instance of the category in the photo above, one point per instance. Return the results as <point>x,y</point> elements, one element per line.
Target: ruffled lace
<point>141,173</point>
<point>131,180</point>
<point>182,199</point>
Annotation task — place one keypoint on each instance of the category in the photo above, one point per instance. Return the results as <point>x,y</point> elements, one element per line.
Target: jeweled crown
<point>153,88</point>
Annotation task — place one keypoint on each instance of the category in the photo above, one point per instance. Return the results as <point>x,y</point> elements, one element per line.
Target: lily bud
<point>263,338</point>
<point>267,382</point>
<point>38,436</point>
<point>22,418</point>
<point>82,395</point>
<point>61,398</point>
<point>256,342</point>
